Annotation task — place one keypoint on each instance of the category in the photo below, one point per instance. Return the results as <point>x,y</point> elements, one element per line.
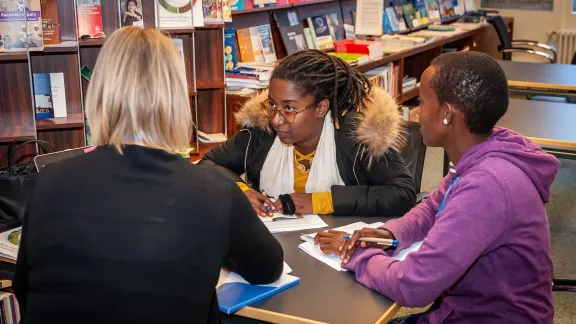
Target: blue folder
<point>235,293</point>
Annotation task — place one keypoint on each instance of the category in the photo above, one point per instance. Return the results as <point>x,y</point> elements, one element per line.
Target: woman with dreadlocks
<point>320,140</point>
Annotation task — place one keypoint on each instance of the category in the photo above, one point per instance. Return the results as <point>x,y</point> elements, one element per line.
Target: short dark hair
<point>476,83</point>
<point>325,77</point>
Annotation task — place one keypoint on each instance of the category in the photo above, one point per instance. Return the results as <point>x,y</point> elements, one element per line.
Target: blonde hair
<point>138,92</point>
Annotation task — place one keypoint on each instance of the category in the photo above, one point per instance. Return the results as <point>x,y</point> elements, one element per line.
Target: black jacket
<point>376,179</point>
<point>136,238</point>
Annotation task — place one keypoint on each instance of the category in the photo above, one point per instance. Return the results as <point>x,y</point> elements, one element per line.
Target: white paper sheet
<point>298,224</point>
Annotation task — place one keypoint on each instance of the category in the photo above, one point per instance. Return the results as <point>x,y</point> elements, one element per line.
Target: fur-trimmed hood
<point>378,128</point>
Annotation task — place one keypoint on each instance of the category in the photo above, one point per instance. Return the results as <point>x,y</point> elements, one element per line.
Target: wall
<point>534,25</point>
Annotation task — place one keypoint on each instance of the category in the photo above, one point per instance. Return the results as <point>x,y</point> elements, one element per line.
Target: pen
<point>375,240</point>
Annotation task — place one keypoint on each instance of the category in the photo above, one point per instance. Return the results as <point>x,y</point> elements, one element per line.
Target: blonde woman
<point>132,232</point>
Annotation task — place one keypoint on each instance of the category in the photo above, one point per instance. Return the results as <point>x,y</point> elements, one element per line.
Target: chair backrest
<point>414,153</point>
<point>503,35</point>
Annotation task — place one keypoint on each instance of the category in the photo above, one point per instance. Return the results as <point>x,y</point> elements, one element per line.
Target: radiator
<point>564,40</point>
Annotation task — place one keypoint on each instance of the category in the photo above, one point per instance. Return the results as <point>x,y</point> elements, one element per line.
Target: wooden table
<point>324,295</point>
<point>550,77</point>
<point>551,125</point>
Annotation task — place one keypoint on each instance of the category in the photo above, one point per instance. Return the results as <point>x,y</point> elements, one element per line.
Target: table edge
<point>274,317</point>
<point>541,85</point>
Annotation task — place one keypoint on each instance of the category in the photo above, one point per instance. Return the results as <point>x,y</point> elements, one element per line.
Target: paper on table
<point>277,216</point>
<point>227,276</point>
<point>334,261</point>
<point>298,224</point>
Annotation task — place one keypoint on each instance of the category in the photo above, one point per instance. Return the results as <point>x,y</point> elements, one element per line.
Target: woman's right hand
<point>258,200</point>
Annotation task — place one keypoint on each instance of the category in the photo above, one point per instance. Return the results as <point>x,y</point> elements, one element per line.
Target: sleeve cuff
<point>322,203</point>
<point>244,187</point>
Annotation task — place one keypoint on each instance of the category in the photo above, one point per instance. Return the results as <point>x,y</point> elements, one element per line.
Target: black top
<point>136,238</point>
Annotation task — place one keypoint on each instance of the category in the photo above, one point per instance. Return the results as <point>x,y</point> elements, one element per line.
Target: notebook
<point>235,293</point>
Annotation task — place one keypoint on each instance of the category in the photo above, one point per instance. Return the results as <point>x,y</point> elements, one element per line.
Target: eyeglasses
<point>288,116</point>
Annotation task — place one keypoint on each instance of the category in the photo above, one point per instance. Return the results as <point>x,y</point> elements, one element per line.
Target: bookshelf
<point>410,62</point>
<point>203,55</point>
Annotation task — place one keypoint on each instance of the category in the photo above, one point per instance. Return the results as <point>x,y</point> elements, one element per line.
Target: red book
<point>248,4</point>
<point>281,2</point>
<point>90,20</point>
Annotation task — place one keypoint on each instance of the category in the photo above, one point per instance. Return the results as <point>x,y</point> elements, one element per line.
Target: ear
<point>323,108</point>
<point>448,114</point>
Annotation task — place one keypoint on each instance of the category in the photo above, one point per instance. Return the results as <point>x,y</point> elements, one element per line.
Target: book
<point>245,45</point>
<point>256,45</point>
<point>433,10</point>
<point>212,11</point>
<point>410,15</point>
<point>179,43</point>
<point>309,39</point>
<point>446,9</point>
<point>264,3</point>
<point>131,13</point>
<point>293,38</point>
<point>389,11</point>
<point>226,11</point>
<point>235,293</point>
<point>352,58</point>
<point>321,32</point>
<point>470,6</point>
<point>174,13</point>
<point>211,138</point>
<point>266,42</point>
<point>230,48</point>
<point>50,24</point>
<point>90,19</point>
<point>10,242</point>
<point>197,14</point>
<point>349,32</point>
<point>237,5</point>
<point>43,96</point>
<point>335,26</point>
<point>369,17</point>
<point>58,91</point>
<point>386,25</point>
<point>421,13</point>
<point>397,5</point>
<point>21,25</point>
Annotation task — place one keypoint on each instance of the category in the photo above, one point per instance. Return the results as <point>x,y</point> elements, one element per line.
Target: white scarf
<point>277,174</point>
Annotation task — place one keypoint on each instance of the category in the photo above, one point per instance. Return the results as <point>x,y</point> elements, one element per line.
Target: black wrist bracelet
<point>288,206</point>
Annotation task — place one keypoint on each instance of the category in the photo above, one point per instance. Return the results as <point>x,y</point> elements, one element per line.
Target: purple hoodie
<point>486,256</point>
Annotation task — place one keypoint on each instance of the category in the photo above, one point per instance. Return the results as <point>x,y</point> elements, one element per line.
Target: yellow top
<point>321,201</point>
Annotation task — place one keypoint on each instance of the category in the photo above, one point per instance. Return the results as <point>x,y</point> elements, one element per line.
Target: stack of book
<point>385,77</point>
<point>249,77</point>
<point>408,83</point>
<point>371,48</point>
<point>397,43</point>
<point>353,59</point>
<point>9,309</point>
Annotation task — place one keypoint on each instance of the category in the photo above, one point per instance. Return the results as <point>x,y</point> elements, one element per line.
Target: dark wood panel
<point>16,96</point>
<point>255,19</point>
<point>67,20</point>
<point>233,104</point>
<point>13,56</point>
<point>9,133</point>
<point>26,153</point>
<point>92,42</point>
<point>188,58</point>
<point>210,84</point>
<point>209,54</point>
<point>110,17</point>
<point>63,139</point>
<point>66,63</point>
<point>211,110</point>
<point>88,57</point>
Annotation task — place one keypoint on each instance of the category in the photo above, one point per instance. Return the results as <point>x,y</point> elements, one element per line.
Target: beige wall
<point>534,25</point>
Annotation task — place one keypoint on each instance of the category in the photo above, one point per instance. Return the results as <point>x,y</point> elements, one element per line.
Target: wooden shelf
<point>284,6</point>
<point>410,94</point>
<point>13,56</point>
<point>91,42</point>
<point>72,121</point>
<point>178,30</point>
<point>8,134</point>
<point>211,26</point>
<point>210,84</point>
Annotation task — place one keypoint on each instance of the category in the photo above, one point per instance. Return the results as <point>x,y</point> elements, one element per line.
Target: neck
<point>459,147</point>
<point>308,146</point>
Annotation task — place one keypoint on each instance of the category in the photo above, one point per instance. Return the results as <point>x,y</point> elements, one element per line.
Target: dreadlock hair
<point>326,77</point>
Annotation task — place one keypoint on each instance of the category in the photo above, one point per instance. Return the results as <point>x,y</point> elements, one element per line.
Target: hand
<point>365,232</point>
<point>258,200</point>
<point>138,18</point>
<point>303,202</point>
<point>331,242</point>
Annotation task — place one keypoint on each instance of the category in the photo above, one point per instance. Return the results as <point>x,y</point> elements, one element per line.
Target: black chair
<point>414,154</point>
<point>509,46</point>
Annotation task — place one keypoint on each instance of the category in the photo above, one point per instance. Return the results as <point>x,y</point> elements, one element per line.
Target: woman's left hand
<point>303,202</point>
<point>331,242</point>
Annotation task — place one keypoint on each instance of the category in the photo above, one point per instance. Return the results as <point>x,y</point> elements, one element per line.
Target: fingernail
<point>273,208</point>
<point>345,261</point>
<point>340,249</point>
<point>342,257</point>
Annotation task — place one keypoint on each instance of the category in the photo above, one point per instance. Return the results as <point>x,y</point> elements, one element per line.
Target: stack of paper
<point>334,261</point>
<point>211,138</point>
<point>297,224</point>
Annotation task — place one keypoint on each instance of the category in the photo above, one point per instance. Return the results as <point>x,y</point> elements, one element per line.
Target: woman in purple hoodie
<point>485,256</point>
